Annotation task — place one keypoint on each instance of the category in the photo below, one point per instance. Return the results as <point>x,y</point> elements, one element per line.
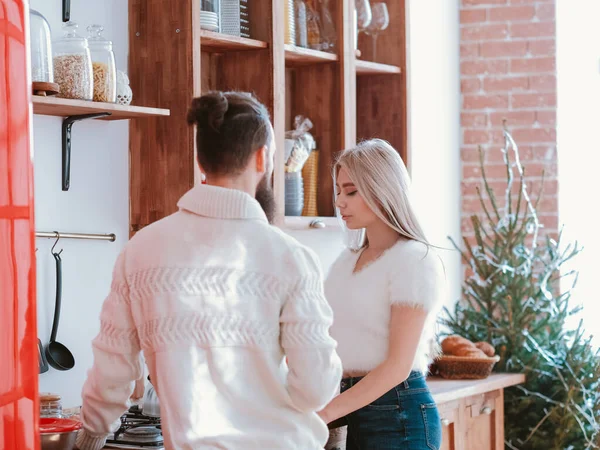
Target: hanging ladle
<point>59,356</point>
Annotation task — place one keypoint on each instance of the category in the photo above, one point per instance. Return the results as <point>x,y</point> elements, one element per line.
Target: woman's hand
<point>406,327</point>
<point>325,416</point>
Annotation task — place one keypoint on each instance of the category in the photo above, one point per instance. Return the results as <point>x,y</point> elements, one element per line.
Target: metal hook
<point>56,242</point>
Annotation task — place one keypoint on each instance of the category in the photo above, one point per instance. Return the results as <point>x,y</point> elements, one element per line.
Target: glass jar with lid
<point>50,405</point>
<point>103,65</point>
<point>73,64</point>
<point>40,49</point>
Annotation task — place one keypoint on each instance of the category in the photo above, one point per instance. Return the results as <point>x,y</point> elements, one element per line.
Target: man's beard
<point>266,198</point>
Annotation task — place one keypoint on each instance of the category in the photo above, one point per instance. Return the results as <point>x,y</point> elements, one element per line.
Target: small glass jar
<point>327,26</point>
<point>40,48</point>
<point>50,405</point>
<point>313,25</point>
<point>103,65</point>
<point>301,32</point>
<point>73,65</point>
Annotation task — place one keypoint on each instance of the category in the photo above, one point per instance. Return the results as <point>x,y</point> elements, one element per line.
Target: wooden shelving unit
<point>61,107</point>
<point>298,56</point>
<point>345,98</point>
<point>217,42</point>
<point>373,68</point>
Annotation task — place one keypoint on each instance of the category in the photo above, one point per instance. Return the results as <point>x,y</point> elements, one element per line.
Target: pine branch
<point>514,300</point>
<point>519,202</point>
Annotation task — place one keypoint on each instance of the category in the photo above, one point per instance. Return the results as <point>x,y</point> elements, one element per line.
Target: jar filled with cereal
<point>103,65</point>
<point>73,64</point>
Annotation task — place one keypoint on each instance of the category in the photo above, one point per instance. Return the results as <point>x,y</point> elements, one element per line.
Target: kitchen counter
<point>447,390</point>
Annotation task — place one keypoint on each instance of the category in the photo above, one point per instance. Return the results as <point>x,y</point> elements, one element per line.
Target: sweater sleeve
<point>117,364</point>
<point>315,369</point>
<point>418,279</point>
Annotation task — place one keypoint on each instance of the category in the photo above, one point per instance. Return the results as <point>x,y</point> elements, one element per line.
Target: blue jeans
<point>404,418</point>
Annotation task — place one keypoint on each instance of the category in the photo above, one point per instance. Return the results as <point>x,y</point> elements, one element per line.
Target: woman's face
<point>353,208</point>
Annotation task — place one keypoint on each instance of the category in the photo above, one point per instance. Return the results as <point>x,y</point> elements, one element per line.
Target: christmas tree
<point>515,300</point>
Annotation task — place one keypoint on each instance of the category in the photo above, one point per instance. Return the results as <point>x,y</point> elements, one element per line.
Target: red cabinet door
<point>18,337</point>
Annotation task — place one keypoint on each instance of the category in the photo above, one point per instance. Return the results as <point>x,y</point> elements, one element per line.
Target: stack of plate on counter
<point>209,21</point>
<point>235,20</point>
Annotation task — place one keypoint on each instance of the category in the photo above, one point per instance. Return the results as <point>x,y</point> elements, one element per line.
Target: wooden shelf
<point>330,89</point>
<point>217,42</point>
<point>373,68</point>
<point>299,56</point>
<point>61,107</point>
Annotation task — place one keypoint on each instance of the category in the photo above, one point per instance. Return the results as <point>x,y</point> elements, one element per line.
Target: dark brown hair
<point>231,126</point>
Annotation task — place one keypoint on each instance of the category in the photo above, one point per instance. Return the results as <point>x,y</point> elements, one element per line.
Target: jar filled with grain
<point>73,64</point>
<point>103,65</point>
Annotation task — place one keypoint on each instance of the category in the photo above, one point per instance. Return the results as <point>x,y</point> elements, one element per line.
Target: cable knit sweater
<point>215,297</point>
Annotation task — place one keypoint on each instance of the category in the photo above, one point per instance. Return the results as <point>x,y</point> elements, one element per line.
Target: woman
<point>385,294</point>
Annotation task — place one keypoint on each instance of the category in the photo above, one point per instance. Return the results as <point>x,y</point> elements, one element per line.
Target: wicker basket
<point>310,173</point>
<point>465,367</point>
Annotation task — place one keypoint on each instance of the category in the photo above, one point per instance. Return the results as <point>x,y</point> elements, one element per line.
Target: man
<point>217,298</point>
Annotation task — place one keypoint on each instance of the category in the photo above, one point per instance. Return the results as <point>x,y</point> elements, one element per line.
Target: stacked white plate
<point>290,33</point>
<point>209,21</point>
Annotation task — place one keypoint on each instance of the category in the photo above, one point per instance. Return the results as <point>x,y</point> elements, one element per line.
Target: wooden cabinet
<point>472,412</point>
<point>484,420</point>
<point>171,60</point>
<point>452,414</point>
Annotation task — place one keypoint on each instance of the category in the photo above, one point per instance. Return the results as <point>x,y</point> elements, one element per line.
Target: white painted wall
<point>578,71</point>
<point>434,131</point>
<point>96,203</point>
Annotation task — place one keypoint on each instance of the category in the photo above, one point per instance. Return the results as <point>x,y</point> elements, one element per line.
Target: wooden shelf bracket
<point>67,125</point>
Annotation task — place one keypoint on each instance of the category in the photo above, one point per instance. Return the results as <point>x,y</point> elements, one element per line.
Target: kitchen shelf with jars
<point>75,77</point>
<point>331,72</point>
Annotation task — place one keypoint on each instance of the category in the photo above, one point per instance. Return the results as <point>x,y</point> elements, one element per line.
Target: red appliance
<point>19,410</point>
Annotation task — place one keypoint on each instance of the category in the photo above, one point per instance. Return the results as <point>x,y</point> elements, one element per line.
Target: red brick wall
<point>508,70</point>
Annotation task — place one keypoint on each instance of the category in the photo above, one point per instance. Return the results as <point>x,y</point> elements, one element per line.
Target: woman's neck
<point>380,236</point>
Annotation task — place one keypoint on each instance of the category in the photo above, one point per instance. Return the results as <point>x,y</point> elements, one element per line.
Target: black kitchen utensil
<point>58,355</point>
<point>42,358</point>
<point>66,10</point>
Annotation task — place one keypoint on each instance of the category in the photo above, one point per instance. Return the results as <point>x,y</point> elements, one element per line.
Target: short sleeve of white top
<point>408,273</point>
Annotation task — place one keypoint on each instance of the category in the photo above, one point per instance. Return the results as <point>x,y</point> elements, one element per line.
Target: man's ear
<point>261,159</point>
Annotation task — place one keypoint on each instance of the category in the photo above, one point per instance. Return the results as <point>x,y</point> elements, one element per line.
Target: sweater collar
<point>221,203</point>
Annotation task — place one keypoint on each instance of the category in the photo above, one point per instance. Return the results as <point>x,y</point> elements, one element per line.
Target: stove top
<point>137,432</point>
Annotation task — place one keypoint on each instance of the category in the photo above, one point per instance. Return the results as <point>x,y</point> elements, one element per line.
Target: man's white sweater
<point>216,298</point>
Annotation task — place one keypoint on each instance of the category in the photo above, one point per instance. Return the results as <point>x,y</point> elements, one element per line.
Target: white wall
<point>578,71</point>
<point>96,203</point>
<point>434,131</point>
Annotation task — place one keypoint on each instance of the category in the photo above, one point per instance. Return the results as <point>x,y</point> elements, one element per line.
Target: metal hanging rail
<point>62,235</point>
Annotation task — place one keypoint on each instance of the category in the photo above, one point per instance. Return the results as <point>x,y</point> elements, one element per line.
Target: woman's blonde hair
<point>379,174</point>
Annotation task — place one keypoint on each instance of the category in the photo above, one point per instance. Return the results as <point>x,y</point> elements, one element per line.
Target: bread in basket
<point>463,359</point>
